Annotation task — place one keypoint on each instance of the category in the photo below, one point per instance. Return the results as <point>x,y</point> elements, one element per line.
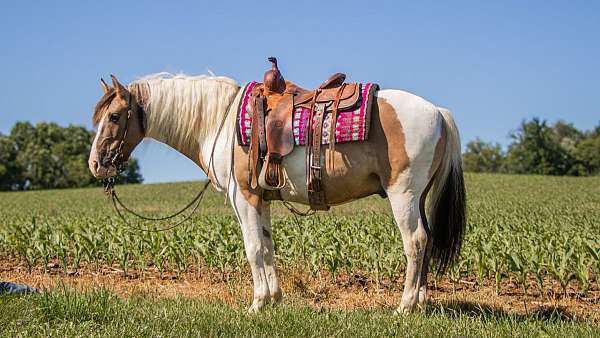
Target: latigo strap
<point>257,146</point>
<point>316,195</point>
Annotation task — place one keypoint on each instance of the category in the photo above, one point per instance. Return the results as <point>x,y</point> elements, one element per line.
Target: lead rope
<point>110,190</point>
<point>116,201</point>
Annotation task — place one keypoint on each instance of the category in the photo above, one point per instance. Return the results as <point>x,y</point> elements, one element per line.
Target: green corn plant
<point>497,268</point>
<point>561,269</point>
<point>536,261</point>
<point>481,261</point>
<point>517,265</point>
<point>593,250</point>
<point>583,272</point>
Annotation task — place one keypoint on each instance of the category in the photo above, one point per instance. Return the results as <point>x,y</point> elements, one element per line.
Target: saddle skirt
<point>351,125</point>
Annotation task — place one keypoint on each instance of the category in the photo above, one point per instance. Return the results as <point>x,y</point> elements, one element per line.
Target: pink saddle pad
<point>352,125</point>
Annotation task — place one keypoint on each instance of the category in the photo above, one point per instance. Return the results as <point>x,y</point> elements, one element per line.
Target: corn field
<point>538,233</point>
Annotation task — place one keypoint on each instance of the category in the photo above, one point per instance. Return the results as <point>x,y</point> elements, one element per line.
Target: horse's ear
<point>121,91</point>
<point>105,87</point>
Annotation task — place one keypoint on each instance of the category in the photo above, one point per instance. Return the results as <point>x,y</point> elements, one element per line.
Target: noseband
<point>117,159</point>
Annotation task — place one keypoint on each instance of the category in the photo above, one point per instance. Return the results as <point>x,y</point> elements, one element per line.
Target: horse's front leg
<point>274,288</point>
<point>250,210</point>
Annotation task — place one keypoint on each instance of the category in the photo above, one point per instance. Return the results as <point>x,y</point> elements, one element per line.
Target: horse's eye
<point>114,117</point>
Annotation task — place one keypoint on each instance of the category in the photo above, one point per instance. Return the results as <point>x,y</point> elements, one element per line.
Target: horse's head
<point>121,125</point>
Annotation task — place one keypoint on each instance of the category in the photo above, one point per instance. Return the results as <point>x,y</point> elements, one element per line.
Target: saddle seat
<point>273,106</point>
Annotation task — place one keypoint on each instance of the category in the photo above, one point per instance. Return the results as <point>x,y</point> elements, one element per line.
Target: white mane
<point>183,109</point>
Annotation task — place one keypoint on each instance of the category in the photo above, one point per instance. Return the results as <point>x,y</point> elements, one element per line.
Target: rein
<point>109,187</point>
<point>116,202</point>
<point>117,160</point>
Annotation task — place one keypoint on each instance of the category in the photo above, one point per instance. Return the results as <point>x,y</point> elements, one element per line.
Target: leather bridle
<point>117,159</point>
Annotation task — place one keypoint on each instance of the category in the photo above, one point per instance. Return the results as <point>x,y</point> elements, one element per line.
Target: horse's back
<point>403,133</point>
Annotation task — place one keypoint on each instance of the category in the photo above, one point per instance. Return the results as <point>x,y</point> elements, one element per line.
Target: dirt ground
<point>346,293</point>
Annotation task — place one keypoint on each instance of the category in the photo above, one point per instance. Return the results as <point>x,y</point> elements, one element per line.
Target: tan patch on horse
<point>240,173</point>
<point>388,135</point>
<point>102,105</point>
<point>354,162</point>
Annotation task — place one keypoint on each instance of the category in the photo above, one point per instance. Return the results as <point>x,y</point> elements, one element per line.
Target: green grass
<point>540,233</point>
<point>99,313</point>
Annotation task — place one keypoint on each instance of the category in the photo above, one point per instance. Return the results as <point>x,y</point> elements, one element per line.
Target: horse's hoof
<point>277,297</point>
<point>402,311</point>
<point>253,309</point>
<point>405,309</point>
<point>257,305</point>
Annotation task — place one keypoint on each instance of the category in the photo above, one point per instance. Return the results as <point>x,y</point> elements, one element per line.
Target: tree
<point>48,156</point>
<point>588,152</point>
<point>130,173</point>
<point>483,157</point>
<point>10,172</point>
<point>537,150</point>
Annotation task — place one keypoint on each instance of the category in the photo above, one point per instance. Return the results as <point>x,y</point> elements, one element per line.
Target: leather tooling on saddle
<point>287,115</point>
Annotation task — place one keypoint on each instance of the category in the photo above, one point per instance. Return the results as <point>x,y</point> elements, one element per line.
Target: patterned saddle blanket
<point>352,125</point>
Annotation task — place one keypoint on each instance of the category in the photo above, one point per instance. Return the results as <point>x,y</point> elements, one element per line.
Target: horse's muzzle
<point>102,171</point>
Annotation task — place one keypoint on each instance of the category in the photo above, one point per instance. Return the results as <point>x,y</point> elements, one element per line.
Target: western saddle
<point>273,104</point>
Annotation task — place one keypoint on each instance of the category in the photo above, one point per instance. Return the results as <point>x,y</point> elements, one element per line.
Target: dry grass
<point>346,293</point>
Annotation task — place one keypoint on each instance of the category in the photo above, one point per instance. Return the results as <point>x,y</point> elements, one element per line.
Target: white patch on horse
<point>421,123</point>
<point>295,188</point>
<point>93,153</point>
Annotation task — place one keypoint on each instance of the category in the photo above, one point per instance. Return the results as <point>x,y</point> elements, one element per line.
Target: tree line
<point>539,148</point>
<point>47,156</point>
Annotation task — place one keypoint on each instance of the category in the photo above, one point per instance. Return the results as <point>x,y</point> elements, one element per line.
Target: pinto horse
<point>413,150</point>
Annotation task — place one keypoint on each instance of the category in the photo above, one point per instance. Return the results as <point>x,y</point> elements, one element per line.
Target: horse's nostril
<point>106,161</point>
<point>96,165</point>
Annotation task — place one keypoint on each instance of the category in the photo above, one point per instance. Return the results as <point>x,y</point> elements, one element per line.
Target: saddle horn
<point>273,80</point>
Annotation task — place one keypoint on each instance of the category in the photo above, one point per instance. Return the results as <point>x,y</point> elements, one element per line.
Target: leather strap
<point>332,128</point>
<point>309,137</point>
<point>316,195</point>
<point>257,140</point>
<point>262,136</point>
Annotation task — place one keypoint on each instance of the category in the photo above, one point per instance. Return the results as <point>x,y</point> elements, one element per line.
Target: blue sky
<point>492,64</point>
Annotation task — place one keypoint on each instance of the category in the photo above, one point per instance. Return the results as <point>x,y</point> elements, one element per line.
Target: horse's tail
<point>446,209</point>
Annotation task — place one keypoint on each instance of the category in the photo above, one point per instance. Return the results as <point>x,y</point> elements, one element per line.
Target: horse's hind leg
<point>427,255</point>
<point>406,208</point>
<point>425,270</point>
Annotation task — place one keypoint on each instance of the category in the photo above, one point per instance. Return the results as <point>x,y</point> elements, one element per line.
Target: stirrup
<point>271,174</point>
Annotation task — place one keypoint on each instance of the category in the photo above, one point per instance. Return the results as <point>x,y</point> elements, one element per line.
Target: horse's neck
<point>216,151</point>
<point>166,133</point>
<point>213,148</point>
